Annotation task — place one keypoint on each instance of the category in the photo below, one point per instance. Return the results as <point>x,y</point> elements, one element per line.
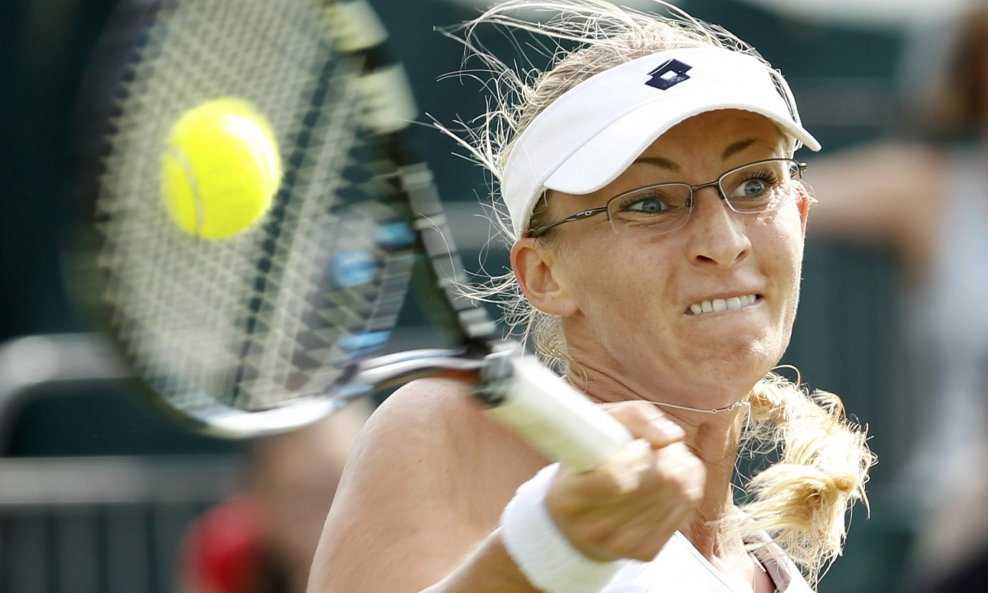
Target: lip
<point>735,301</point>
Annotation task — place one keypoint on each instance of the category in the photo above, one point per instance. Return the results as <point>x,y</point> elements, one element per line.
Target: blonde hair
<point>802,499</point>
<point>823,459</point>
<point>608,35</point>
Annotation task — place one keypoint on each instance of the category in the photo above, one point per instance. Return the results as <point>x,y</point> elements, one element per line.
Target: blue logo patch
<point>668,75</point>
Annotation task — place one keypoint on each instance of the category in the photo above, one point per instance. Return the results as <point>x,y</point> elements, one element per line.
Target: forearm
<point>527,553</point>
<point>489,569</point>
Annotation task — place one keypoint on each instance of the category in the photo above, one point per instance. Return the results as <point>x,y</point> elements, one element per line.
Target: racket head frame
<point>360,38</point>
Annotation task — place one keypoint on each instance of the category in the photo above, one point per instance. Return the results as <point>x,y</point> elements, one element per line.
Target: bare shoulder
<point>424,485</point>
<point>439,423</point>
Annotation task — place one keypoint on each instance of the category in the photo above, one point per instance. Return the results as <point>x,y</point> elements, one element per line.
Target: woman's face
<point>626,300</point>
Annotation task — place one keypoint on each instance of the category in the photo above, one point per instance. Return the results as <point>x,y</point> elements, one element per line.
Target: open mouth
<point>717,305</point>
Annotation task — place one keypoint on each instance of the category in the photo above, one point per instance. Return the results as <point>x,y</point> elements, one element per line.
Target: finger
<point>629,465</point>
<point>622,472</point>
<point>682,470</point>
<point>644,421</point>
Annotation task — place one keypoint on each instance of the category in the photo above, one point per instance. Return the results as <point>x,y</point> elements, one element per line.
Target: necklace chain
<point>720,410</point>
<point>728,408</point>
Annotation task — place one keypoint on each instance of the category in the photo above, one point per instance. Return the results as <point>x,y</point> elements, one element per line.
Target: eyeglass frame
<point>541,230</point>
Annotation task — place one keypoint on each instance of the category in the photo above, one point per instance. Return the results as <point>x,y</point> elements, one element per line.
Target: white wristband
<point>546,558</point>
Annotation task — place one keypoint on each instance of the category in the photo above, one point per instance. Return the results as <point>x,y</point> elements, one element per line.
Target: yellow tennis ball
<point>221,169</point>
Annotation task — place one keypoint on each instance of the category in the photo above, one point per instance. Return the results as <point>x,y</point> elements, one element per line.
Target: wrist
<point>544,555</point>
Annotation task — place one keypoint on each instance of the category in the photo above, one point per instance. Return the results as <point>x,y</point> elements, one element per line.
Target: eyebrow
<point>659,162</point>
<point>737,147</point>
<point>730,151</point>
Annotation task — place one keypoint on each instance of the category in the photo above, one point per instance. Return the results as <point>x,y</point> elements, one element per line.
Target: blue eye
<point>648,201</point>
<point>657,204</point>
<point>646,205</point>
<point>755,183</point>
<point>752,188</point>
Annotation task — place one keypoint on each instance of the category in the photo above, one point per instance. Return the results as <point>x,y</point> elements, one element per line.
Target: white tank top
<point>680,567</point>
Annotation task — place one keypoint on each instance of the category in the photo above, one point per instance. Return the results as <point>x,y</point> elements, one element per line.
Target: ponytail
<point>802,500</point>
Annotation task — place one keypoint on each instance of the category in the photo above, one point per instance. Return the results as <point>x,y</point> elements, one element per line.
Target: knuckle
<point>646,422</point>
<point>596,531</point>
<point>633,413</point>
<point>683,474</point>
<point>693,495</point>
<point>686,490</point>
<point>563,503</point>
<point>594,537</point>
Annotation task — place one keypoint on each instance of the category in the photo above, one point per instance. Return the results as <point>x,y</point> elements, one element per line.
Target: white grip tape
<point>557,419</point>
<point>542,553</point>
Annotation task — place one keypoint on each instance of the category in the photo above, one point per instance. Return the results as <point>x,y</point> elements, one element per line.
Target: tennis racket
<point>284,323</point>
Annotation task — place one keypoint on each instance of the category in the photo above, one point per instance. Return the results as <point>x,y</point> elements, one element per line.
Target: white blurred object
<point>868,13</point>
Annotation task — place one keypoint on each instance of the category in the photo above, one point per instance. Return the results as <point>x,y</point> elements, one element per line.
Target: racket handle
<point>550,414</point>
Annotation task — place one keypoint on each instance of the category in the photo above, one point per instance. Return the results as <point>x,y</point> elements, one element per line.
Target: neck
<point>728,409</point>
<point>712,434</point>
<point>715,442</point>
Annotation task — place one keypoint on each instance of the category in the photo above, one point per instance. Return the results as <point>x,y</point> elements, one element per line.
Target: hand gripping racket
<point>283,323</point>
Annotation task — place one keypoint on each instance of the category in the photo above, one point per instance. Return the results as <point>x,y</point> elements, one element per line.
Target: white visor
<point>588,136</point>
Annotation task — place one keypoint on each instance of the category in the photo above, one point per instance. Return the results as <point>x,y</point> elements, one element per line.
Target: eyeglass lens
<point>752,188</point>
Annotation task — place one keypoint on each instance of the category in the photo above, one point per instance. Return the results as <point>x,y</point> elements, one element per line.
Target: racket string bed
<point>299,241</point>
<point>284,321</point>
<point>255,320</point>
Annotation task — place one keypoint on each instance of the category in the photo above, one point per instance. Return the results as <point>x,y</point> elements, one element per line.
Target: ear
<point>803,201</point>
<point>537,274</point>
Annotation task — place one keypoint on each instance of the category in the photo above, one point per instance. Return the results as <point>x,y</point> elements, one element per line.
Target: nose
<point>718,235</point>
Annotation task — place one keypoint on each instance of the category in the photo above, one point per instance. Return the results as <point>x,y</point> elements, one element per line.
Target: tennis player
<point>656,217</point>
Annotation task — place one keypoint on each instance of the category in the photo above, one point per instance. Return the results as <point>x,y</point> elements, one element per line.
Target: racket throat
<point>401,367</point>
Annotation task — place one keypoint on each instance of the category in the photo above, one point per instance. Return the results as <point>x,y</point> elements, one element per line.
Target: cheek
<point>783,251</point>
<point>612,272</point>
<point>622,289</point>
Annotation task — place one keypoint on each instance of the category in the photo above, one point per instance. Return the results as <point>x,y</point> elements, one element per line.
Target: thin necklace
<point>721,410</point>
<point>728,408</point>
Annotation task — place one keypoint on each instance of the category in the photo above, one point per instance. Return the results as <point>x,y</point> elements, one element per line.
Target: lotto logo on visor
<point>669,75</point>
<point>591,133</point>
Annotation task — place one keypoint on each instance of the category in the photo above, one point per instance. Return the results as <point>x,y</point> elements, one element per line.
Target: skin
<point>431,474</point>
<point>705,361</point>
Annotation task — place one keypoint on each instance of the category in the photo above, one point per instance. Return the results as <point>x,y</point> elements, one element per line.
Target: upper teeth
<point>715,305</point>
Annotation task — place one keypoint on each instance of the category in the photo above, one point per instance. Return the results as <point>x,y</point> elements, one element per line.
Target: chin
<point>747,359</point>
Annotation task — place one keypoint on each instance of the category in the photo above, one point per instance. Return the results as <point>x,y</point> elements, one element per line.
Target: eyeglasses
<point>749,189</point>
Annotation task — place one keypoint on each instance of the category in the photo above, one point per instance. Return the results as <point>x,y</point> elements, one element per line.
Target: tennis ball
<point>220,170</point>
